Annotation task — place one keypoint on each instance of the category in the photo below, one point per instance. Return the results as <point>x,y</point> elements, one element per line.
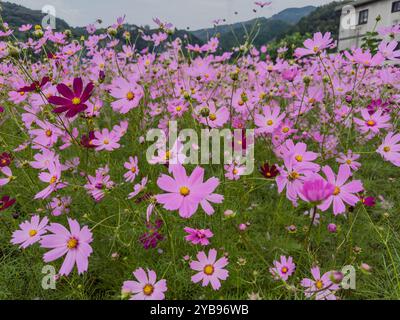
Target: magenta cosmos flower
<point>74,244</point>
<point>344,192</point>
<point>316,190</point>
<point>283,269</point>
<point>146,287</point>
<point>72,101</point>
<point>198,236</point>
<point>186,193</point>
<point>30,232</point>
<point>6,202</point>
<point>210,269</point>
<point>322,288</point>
<point>390,149</point>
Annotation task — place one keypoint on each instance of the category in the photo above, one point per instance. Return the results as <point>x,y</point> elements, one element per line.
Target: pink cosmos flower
<point>8,173</point>
<point>209,269</point>
<point>186,193</point>
<point>197,236</point>
<point>44,160</point>
<point>99,184</point>
<point>234,171</point>
<point>53,178</point>
<point>316,190</point>
<point>127,93</point>
<point>146,287</point>
<point>292,178</point>
<point>269,120</point>
<point>106,140</point>
<point>299,154</point>
<point>349,160</point>
<point>344,192</point>
<point>321,288</point>
<point>390,149</point>
<point>372,123</point>
<point>46,136</point>
<point>316,45</point>
<point>25,27</point>
<point>283,269</point>
<point>74,244</point>
<point>30,233</point>
<point>59,206</point>
<point>72,101</point>
<point>138,188</point>
<point>388,50</point>
<point>133,168</point>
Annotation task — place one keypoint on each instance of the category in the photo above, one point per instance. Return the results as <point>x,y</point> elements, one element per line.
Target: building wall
<point>352,37</point>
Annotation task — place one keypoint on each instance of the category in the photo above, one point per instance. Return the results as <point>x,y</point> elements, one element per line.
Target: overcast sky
<point>182,13</point>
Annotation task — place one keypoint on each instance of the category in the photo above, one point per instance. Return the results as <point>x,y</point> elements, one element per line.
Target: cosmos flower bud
<point>307,80</point>
<point>336,277</point>
<point>365,267</point>
<point>332,228</point>
<point>68,33</point>
<point>205,112</point>
<point>112,32</point>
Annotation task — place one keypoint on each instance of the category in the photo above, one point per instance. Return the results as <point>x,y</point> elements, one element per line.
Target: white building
<point>359,17</point>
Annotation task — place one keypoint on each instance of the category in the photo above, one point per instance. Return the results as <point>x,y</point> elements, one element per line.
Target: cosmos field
<point>86,213</point>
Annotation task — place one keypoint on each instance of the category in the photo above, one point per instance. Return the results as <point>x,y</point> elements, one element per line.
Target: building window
<point>363,17</point>
<point>396,6</point>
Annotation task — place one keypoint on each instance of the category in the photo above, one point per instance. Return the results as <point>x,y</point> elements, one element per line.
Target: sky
<point>195,14</point>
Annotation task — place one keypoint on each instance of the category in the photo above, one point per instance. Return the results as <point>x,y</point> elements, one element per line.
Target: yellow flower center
<point>76,101</point>
<point>371,123</point>
<point>294,175</point>
<point>179,108</point>
<point>213,117</point>
<point>167,155</point>
<point>22,93</point>
<point>337,191</point>
<point>386,149</point>
<point>130,96</point>
<point>209,270</point>
<point>348,161</point>
<point>148,289</point>
<point>72,243</point>
<point>319,284</point>
<point>53,179</point>
<point>315,49</point>
<point>285,130</point>
<point>284,270</point>
<point>184,191</point>
<point>106,141</point>
<point>133,170</point>
<point>49,133</point>
<point>32,233</point>
<point>270,122</point>
<point>299,158</point>
<point>235,171</point>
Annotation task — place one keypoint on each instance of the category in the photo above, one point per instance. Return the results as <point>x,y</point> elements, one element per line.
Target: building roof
<point>355,3</point>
